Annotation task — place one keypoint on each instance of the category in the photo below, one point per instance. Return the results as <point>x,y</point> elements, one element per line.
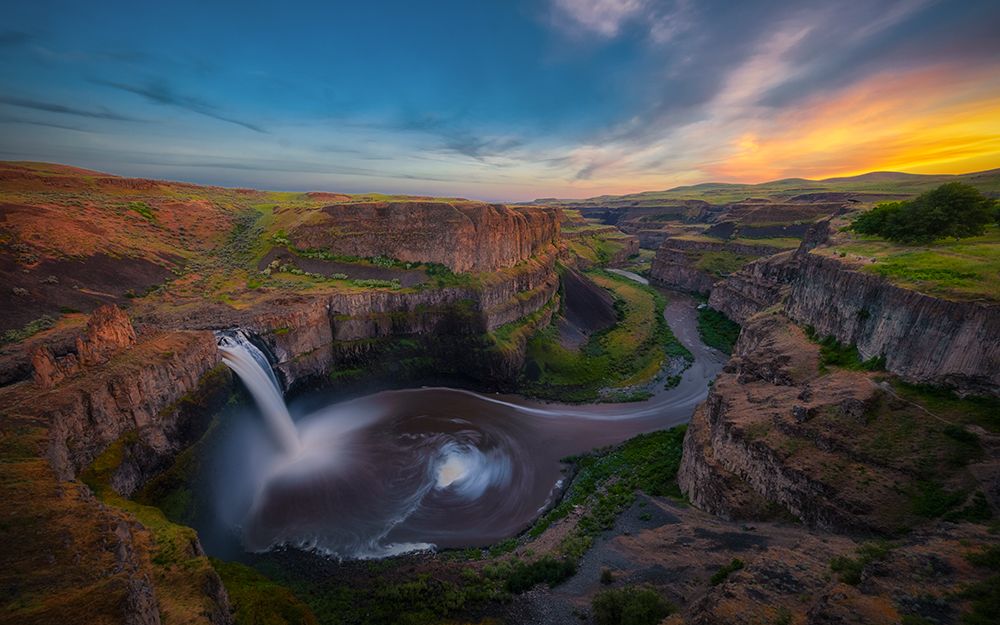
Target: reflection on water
<point>404,470</point>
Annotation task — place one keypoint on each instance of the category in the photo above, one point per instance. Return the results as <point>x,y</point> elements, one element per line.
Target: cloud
<point>601,17</point>
<point>10,119</point>
<point>450,134</point>
<point>160,92</point>
<point>663,21</point>
<point>51,107</point>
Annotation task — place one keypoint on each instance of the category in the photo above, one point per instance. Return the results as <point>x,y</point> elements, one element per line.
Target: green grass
<point>630,353</point>
<point>981,411</point>
<point>420,599</point>
<point>598,249</point>
<point>785,243</point>
<point>30,329</point>
<point>143,209</point>
<point>257,600</point>
<point>546,570</point>
<point>833,353</point>
<point>721,263</point>
<point>717,330</point>
<point>609,479</point>
<point>967,269</point>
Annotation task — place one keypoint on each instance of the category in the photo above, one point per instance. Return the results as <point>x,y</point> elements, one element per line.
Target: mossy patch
<point>717,330</point>
<point>628,354</point>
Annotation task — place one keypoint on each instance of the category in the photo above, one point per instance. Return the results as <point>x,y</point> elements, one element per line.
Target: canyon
<point>821,434</point>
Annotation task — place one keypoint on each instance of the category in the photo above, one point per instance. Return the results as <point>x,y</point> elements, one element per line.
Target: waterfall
<point>243,357</point>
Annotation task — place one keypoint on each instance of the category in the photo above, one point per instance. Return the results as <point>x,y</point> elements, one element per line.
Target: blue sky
<point>501,100</point>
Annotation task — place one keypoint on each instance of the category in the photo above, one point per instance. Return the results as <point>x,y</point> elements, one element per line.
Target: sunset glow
<point>506,101</point>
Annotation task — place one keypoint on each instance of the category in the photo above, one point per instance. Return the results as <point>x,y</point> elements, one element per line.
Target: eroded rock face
<point>778,434</point>
<point>673,269</point>
<point>759,285</point>
<point>129,392</point>
<point>465,236</point>
<point>48,370</point>
<point>309,334</point>
<point>109,331</point>
<point>923,339</point>
<point>675,263</point>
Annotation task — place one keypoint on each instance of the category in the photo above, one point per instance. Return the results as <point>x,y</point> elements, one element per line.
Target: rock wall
<point>134,391</point>
<point>775,436</point>
<point>673,269</point>
<point>674,265</point>
<point>306,334</point>
<point>465,236</point>
<point>124,416</point>
<point>649,238</point>
<point>758,286</point>
<point>924,339</point>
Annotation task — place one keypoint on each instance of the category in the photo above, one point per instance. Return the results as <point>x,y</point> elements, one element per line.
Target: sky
<point>501,99</point>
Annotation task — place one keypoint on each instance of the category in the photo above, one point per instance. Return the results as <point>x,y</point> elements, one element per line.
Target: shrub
<point>143,209</point>
<point>607,577</point>
<point>526,575</point>
<point>952,210</point>
<point>374,283</point>
<point>630,606</point>
<point>31,328</point>
<point>850,569</point>
<point>985,595</point>
<point>720,576</point>
<point>931,499</point>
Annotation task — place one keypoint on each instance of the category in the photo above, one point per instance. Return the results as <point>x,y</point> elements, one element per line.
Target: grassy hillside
<point>965,269</point>
<point>872,184</point>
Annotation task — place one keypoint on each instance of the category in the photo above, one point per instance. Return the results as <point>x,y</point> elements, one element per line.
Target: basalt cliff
<point>104,390</point>
<point>464,236</point>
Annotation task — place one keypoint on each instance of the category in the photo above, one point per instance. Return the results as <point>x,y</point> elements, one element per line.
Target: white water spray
<point>243,357</point>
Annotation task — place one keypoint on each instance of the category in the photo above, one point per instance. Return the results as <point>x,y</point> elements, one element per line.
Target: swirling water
<point>414,469</point>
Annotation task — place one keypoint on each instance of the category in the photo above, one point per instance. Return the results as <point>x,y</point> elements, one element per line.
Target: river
<point>411,469</point>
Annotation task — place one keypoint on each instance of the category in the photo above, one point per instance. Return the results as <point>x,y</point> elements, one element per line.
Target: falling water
<point>243,357</point>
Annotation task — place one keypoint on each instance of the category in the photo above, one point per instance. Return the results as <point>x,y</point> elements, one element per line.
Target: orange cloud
<point>932,120</point>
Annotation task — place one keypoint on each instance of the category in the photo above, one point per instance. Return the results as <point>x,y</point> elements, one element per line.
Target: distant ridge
<point>876,183</point>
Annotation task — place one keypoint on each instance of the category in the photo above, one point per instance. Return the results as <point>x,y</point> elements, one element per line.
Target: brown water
<point>411,469</point>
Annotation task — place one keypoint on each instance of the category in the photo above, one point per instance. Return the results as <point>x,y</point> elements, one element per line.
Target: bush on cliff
<point>630,606</point>
<point>953,210</point>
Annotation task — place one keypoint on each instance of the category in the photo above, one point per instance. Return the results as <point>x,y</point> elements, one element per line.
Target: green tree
<point>952,210</point>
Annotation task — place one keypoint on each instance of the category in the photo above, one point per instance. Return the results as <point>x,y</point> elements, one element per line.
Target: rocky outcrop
<point>134,391</point>
<point>923,339</point>
<point>761,284</point>
<point>465,236</point>
<point>114,425</point>
<point>630,249</point>
<point>674,269</point>
<point>649,238</point>
<point>777,433</point>
<point>108,332</point>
